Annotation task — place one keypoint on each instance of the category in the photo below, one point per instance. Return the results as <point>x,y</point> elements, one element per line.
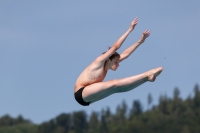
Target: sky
<point>45,45</point>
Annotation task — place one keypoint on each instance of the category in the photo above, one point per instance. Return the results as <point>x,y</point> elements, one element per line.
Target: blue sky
<point>45,45</point>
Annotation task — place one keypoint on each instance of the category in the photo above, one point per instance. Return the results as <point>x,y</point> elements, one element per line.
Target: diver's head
<point>113,61</point>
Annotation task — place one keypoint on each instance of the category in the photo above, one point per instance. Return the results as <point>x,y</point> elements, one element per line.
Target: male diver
<point>90,86</point>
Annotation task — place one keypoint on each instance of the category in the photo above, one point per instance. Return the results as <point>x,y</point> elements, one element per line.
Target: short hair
<point>112,56</point>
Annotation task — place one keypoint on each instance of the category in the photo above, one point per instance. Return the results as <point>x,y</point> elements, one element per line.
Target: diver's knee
<point>113,83</point>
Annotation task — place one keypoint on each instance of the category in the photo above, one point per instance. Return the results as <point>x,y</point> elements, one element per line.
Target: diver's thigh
<point>95,90</point>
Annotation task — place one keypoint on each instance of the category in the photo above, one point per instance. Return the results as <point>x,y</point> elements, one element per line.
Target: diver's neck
<point>106,66</point>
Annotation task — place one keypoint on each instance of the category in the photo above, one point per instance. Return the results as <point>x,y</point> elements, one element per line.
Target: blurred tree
<point>121,111</point>
<point>185,129</point>
<point>184,119</point>
<point>136,109</point>
<point>109,116</point>
<point>65,121</point>
<point>20,128</point>
<point>103,127</point>
<point>47,127</point>
<point>93,122</point>
<point>6,120</point>
<point>163,102</point>
<point>150,99</point>
<point>108,112</point>
<point>196,96</point>
<point>80,124</point>
<point>21,120</point>
<point>176,93</point>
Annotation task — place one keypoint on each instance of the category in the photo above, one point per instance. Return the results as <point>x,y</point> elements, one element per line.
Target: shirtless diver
<point>90,86</point>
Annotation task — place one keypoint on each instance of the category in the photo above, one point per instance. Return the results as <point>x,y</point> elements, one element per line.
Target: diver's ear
<point>107,61</point>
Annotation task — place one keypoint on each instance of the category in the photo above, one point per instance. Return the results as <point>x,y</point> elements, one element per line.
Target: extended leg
<point>128,88</point>
<point>101,90</point>
<point>132,86</point>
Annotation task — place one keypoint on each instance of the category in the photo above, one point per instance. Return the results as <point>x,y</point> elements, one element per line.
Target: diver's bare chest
<point>89,77</point>
<point>97,76</point>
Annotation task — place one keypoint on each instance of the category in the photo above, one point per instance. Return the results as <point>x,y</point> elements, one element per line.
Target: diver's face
<point>114,63</point>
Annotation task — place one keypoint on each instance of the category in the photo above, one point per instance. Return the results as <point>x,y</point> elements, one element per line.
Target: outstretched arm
<point>132,48</point>
<point>119,42</point>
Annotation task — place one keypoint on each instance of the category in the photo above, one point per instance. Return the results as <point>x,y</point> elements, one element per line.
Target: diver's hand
<point>145,34</point>
<point>134,23</point>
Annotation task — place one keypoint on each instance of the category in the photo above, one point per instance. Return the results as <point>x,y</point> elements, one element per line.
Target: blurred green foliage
<point>171,115</point>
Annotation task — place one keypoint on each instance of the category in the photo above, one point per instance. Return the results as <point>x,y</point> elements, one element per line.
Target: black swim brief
<point>79,98</point>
